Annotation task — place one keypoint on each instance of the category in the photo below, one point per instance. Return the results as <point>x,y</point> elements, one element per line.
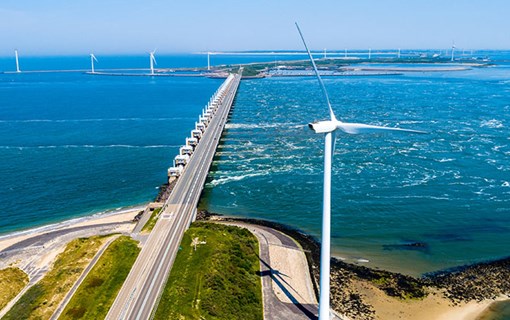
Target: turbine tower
<point>453,49</point>
<point>17,60</point>
<point>152,61</point>
<point>92,59</point>
<point>208,60</point>
<point>329,128</point>
<point>369,53</point>
<point>398,56</point>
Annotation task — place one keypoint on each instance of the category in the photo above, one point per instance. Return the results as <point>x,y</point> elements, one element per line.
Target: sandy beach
<point>355,293</point>
<point>34,250</point>
<point>359,292</point>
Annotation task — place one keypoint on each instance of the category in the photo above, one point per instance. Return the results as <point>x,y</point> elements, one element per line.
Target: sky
<point>63,27</point>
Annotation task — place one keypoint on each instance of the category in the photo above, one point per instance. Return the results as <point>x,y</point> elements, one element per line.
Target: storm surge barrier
<point>140,294</point>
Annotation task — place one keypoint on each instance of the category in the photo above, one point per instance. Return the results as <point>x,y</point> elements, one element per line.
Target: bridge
<point>140,293</point>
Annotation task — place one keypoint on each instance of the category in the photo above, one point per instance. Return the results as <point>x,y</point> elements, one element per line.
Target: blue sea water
<point>73,144</point>
<point>448,190</point>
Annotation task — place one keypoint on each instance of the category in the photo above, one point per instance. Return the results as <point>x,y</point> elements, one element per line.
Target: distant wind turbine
<point>325,53</point>
<point>398,56</point>
<point>369,53</point>
<point>17,60</point>
<point>329,128</point>
<point>92,59</point>
<point>208,60</point>
<point>152,60</point>
<point>453,49</point>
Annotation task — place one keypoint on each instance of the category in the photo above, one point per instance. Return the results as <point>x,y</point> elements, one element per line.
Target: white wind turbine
<point>453,49</point>
<point>92,59</point>
<point>329,128</point>
<point>152,61</point>
<point>17,60</point>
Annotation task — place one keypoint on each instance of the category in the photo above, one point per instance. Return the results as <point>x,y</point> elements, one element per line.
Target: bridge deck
<point>143,287</point>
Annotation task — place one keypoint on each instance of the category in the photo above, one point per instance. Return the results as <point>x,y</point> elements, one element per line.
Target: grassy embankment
<point>96,294</point>
<point>152,221</point>
<point>41,300</point>
<point>12,281</point>
<point>218,280</point>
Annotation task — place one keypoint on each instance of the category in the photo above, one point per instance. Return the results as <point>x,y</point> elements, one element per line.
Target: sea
<point>74,144</point>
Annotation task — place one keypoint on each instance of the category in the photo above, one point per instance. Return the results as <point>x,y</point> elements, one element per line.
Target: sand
<point>434,306</point>
<point>34,250</point>
<point>116,217</point>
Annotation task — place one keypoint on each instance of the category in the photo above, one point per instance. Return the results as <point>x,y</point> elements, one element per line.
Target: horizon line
<point>255,52</point>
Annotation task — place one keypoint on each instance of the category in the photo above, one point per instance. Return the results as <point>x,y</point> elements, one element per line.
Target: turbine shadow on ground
<point>276,276</point>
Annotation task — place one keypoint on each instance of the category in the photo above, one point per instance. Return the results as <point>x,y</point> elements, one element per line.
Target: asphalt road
<point>143,287</point>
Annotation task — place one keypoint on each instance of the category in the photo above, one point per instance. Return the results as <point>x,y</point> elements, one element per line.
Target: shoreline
<point>465,292</point>
<point>114,216</point>
<point>72,221</point>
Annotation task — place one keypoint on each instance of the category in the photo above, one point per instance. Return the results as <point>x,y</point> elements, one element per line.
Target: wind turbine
<point>17,60</point>
<point>92,59</point>
<point>453,49</point>
<point>329,128</point>
<point>152,61</point>
<point>208,60</point>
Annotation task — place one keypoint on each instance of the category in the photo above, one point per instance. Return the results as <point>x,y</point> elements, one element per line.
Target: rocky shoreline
<point>477,282</point>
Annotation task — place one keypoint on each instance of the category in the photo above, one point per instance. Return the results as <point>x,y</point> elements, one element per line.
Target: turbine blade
<point>325,93</point>
<point>94,57</point>
<point>357,128</point>
<point>154,59</point>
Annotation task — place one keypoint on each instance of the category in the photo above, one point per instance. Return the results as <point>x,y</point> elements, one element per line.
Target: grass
<point>41,300</point>
<point>152,221</point>
<point>217,281</point>
<point>96,294</point>
<point>12,281</point>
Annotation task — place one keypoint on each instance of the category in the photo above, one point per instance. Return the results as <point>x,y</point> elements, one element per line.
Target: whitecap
<point>221,181</point>
<point>491,123</point>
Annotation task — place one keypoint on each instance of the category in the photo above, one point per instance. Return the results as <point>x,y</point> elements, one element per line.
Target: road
<point>143,287</point>
<point>82,277</point>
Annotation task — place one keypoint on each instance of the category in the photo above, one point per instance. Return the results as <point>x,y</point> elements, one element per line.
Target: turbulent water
<point>411,203</point>
<point>72,144</point>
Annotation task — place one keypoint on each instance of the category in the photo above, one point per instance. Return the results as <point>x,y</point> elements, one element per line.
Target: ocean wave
<point>92,120</point>
<point>491,124</point>
<point>220,181</point>
<point>68,146</point>
<point>262,125</point>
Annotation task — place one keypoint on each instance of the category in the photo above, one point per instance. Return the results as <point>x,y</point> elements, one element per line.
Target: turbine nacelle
<point>323,126</point>
<point>352,128</point>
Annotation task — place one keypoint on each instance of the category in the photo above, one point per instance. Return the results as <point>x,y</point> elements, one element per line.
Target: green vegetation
<point>12,281</point>
<point>250,71</point>
<point>96,294</point>
<point>398,286</point>
<point>152,221</point>
<point>217,280</point>
<point>42,299</point>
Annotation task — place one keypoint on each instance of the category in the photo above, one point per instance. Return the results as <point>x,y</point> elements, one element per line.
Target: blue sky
<point>114,26</point>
